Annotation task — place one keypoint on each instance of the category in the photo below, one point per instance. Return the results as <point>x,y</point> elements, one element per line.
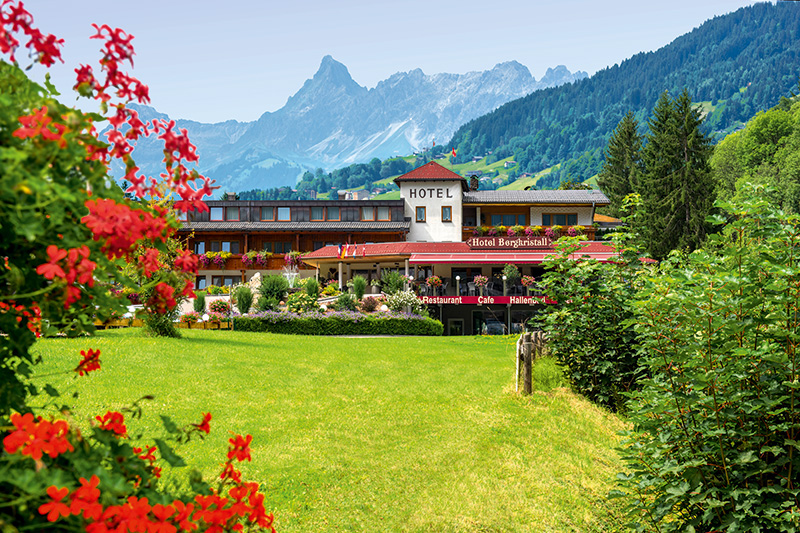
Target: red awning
<point>497,258</point>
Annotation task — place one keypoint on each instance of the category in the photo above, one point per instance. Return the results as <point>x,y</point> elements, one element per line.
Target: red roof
<point>432,171</point>
<point>454,252</point>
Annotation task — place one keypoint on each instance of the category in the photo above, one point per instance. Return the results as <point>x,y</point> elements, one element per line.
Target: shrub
<point>339,323</point>
<point>301,302</point>
<point>345,302</point>
<point>588,329</point>
<point>512,273</point>
<point>274,287</point>
<point>214,290</point>
<point>392,281</point>
<point>399,301</point>
<point>312,288</point>
<point>359,286</point>
<point>199,304</point>
<point>267,304</point>
<point>244,299</point>
<point>717,422</point>
<point>370,304</point>
<point>222,307</point>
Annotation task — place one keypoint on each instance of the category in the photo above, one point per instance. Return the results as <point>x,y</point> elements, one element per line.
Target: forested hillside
<point>735,65</point>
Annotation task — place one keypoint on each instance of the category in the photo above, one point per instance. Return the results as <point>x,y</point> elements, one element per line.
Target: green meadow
<point>367,434</point>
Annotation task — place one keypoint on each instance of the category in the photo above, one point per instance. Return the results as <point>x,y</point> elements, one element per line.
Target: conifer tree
<point>677,187</point>
<point>623,162</point>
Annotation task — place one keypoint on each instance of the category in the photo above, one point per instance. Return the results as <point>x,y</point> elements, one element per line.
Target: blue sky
<point>214,61</point>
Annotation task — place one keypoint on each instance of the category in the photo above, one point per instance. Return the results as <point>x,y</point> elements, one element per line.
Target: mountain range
<point>333,121</point>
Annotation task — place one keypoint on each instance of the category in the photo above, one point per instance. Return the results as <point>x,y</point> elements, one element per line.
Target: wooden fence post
<point>527,378</point>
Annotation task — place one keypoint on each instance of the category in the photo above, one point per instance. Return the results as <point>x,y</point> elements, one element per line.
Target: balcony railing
<point>235,262</point>
<point>468,232</point>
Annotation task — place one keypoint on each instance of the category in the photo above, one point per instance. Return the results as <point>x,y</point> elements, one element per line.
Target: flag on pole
<point>355,249</point>
<point>339,252</point>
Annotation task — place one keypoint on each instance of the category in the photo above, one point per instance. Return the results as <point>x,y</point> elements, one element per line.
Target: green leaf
<point>49,389</point>
<point>168,454</point>
<point>169,425</point>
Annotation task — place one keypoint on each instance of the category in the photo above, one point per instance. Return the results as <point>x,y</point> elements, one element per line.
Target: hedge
<point>339,323</point>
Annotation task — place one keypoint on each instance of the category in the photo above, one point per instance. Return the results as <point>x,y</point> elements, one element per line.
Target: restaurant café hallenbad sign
<point>496,243</point>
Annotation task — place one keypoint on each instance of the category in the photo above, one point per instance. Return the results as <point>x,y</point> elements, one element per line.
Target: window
<point>231,213</point>
<point>183,216</point>
<point>447,213</point>
<point>509,220</point>
<point>230,246</point>
<point>420,214</point>
<point>200,247</point>
<point>215,246</point>
<point>497,220</point>
<point>200,282</point>
<point>333,213</point>
<point>317,213</point>
<point>560,219</point>
<point>221,281</point>
<point>284,214</point>
<point>367,213</point>
<point>267,213</point>
<point>384,213</point>
<point>216,213</point>
<point>278,247</point>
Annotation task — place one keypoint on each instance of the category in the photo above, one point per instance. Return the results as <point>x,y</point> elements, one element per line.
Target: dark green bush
<point>274,287</point>
<point>267,304</point>
<point>200,302</point>
<point>717,424</point>
<point>345,302</point>
<point>392,281</point>
<point>359,286</point>
<point>244,299</point>
<point>339,324</point>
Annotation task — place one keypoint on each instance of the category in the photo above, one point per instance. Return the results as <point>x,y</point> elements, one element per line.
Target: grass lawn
<point>368,434</point>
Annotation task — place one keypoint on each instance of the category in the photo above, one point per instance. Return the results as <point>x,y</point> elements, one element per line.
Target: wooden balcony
<point>276,262</point>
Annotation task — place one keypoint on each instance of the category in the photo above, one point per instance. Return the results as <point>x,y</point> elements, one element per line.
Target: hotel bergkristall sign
<point>509,243</point>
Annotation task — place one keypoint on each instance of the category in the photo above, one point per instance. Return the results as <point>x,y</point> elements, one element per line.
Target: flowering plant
<point>434,281</point>
<point>216,318</point>
<point>293,259</point>
<point>480,281</point>
<point>191,317</point>
<point>479,231</point>
<point>492,232</point>
<point>515,230</point>
<point>533,231</point>
<point>528,281</point>
<point>66,233</point>
<point>220,306</point>
<point>501,230</point>
<point>255,258</point>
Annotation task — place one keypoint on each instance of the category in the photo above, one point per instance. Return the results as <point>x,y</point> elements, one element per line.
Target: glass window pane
<point>235,247</point>
<point>216,213</point>
<point>383,213</point>
<point>420,214</point>
<point>284,213</point>
<point>497,220</point>
<point>546,220</point>
<point>215,246</point>
<point>333,213</point>
<point>521,220</point>
<point>226,246</point>
<point>447,214</point>
<point>367,213</point>
<point>509,220</point>
<point>316,213</point>
<point>267,213</point>
<point>200,282</point>
<point>572,220</point>
<point>200,247</point>
<point>231,213</point>
<point>561,220</point>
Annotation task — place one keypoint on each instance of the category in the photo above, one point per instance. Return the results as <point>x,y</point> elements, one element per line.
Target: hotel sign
<point>509,243</point>
<point>430,192</point>
<point>482,300</point>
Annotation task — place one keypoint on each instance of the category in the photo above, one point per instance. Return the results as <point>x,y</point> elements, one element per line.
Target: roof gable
<point>432,171</point>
